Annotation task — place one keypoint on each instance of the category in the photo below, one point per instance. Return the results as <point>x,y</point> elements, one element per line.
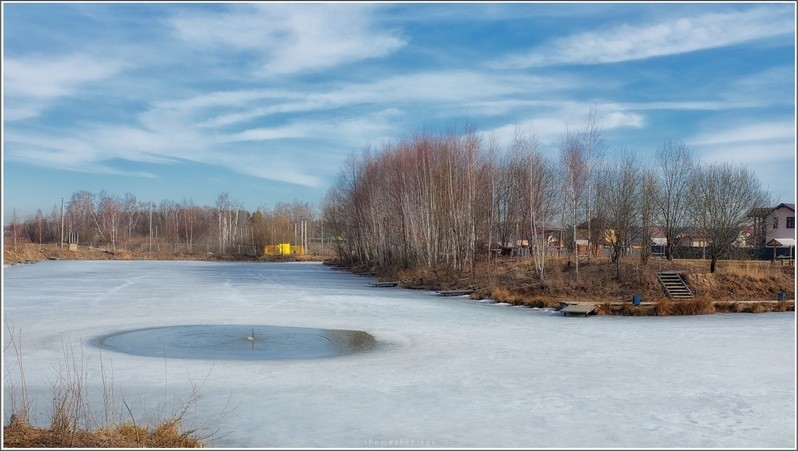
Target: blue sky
<point>265,101</point>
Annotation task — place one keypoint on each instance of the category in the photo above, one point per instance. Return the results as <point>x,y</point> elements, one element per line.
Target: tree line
<point>447,199</point>
<point>124,222</point>
<point>450,199</point>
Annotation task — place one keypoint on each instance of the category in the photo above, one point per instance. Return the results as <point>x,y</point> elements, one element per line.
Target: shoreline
<point>500,291</point>
<point>603,306</point>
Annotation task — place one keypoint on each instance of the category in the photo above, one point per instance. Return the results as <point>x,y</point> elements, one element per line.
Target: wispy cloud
<point>32,83</point>
<point>292,38</point>
<point>747,143</point>
<point>550,126</point>
<point>669,37</point>
<point>436,90</point>
<point>771,86</point>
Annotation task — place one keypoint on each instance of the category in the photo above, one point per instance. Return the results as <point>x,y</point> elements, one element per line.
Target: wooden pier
<point>454,292</point>
<point>384,284</point>
<point>578,309</point>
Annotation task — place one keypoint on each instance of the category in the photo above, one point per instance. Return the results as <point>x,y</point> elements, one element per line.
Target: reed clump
<point>74,423</point>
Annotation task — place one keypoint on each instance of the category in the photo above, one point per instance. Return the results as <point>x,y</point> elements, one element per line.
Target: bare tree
<point>508,191</point>
<point>619,188</point>
<point>190,223</point>
<point>648,197</point>
<point>81,215</point>
<point>721,197</point>
<point>574,181</point>
<point>592,142</point>
<point>225,213</point>
<point>259,230</point>
<point>109,217</point>
<point>676,168</point>
<point>131,212</point>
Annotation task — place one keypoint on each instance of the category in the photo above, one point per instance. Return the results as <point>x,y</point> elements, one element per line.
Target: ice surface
<point>446,371</point>
<point>237,342</point>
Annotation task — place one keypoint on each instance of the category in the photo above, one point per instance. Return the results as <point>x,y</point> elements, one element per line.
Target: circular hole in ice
<point>237,342</point>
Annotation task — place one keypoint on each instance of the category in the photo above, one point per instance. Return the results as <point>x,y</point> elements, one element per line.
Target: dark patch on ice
<point>237,342</point>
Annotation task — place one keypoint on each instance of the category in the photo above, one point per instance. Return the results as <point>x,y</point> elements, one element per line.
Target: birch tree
<point>574,167</point>
<point>591,140</point>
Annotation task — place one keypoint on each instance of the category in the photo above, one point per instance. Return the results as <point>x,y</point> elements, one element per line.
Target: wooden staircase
<point>674,285</point>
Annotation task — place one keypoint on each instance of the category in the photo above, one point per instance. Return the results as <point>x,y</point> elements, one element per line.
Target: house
<point>746,237</point>
<point>779,230</point>
<point>522,245</point>
<point>780,223</point>
<point>687,237</point>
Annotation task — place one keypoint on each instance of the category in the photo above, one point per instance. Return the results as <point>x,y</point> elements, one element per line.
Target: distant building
<point>780,223</point>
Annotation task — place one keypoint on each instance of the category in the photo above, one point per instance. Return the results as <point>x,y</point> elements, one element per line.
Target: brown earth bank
<point>31,253</point>
<point>736,286</point>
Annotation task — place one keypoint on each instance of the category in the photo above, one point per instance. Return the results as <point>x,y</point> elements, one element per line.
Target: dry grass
<point>19,435</point>
<point>512,280</point>
<point>29,253</point>
<point>75,423</point>
<point>700,306</point>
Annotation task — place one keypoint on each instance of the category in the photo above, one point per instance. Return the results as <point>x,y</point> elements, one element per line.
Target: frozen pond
<point>237,342</point>
<point>443,372</point>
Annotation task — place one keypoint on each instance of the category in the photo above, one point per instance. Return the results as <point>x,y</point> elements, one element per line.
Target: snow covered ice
<point>446,371</point>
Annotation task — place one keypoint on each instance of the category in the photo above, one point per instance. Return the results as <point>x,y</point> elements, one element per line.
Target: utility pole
<point>150,245</point>
<point>14,228</point>
<point>305,236</point>
<point>62,223</point>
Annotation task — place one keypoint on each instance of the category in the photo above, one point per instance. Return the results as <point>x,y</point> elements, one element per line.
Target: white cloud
<point>771,86</point>
<point>670,37</point>
<point>32,83</point>
<point>292,38</point>
<point>747,143</point>
<point>551,125</point>
<point>447,90</point>
<point>282,170</point>
<point>270,133</point>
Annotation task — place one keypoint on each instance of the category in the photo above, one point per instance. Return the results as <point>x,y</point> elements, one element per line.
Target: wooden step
<point>674,285</point>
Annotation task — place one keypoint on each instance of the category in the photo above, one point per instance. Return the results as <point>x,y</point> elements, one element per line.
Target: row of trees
<point>114,221</point>
<point>447,199</point>
<point>450,199</point>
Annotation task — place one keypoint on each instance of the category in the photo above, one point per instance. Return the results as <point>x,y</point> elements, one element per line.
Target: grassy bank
<point>736,286</point>
<point>74,422</point>
<point>166,435</point>
<point>31,253</point>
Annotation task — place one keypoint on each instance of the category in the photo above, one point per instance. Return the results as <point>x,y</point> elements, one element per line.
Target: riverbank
<point>32,253</point>
<point>735,287</point>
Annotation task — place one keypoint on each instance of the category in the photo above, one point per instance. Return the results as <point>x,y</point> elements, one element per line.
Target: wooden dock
<point>455,292</point>
<point>575,308</point>
<point>384,284</point>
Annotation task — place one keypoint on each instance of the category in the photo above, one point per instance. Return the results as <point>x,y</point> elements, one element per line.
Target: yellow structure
<point>283,249</point>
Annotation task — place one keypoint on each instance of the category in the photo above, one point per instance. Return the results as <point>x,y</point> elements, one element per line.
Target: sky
<point>265,101</point>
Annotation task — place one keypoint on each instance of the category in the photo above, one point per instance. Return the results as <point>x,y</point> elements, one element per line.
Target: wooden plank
<point>578,309</point>
<point>384,284</point>
<point>455,292</point>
